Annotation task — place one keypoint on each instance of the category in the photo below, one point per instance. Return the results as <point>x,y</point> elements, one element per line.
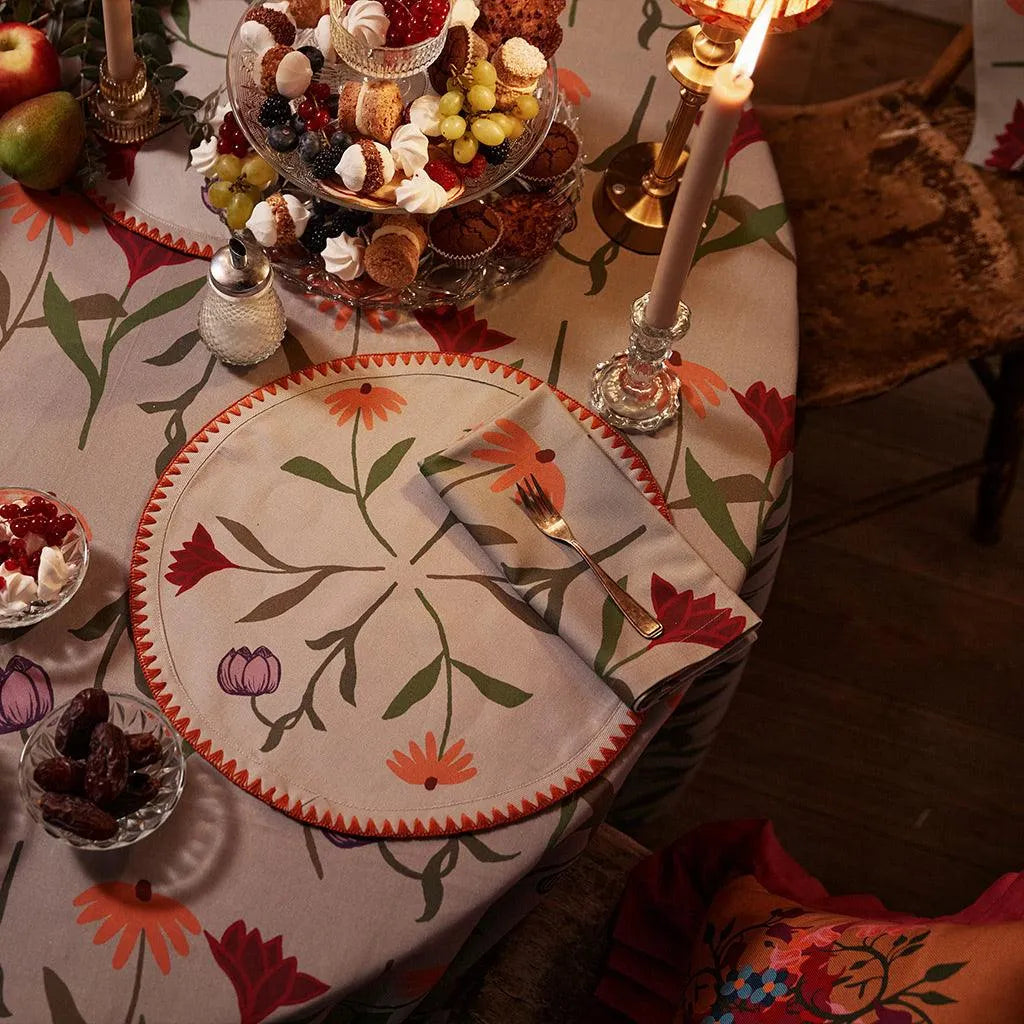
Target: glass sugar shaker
<point>241,320</point>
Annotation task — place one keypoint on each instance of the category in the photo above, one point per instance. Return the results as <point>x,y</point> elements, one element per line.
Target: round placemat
<point>317,625</point>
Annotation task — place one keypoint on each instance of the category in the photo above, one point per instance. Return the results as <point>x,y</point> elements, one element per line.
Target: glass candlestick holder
<point>634,391</point>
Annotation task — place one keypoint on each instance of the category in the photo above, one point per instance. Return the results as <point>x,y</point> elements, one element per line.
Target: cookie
<point>371,108</point>
<point>531,224</point>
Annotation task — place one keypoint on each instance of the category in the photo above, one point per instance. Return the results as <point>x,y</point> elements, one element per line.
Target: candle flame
<point>746,60</point>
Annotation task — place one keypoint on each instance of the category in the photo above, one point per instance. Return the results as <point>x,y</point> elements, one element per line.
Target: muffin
<point>465,234</point>
<point>462,49</point>
<point>555,157</point>
<point>531,224</point>
<point>371,108</point>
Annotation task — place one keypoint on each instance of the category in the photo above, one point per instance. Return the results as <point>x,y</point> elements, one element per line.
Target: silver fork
<point>549,521</point>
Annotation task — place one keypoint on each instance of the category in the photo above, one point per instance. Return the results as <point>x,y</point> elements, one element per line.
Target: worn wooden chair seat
<point>909,259</point>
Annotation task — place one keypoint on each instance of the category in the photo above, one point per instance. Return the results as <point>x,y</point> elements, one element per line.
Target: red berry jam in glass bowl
<point>44,552</point>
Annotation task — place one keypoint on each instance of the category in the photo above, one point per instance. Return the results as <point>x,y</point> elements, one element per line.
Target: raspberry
<point>476,166</point>
<point>275,110</point>
<point>327,159</point>
<point>496,154</point>
<point>444,174</point>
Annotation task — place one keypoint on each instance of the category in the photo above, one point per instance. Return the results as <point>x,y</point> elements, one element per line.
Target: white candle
<point>117,27</point>
<point>730,91</point>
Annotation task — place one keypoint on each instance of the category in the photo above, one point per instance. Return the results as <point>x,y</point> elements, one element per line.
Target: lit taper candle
<point>731,90</point>
<point>117,29</point>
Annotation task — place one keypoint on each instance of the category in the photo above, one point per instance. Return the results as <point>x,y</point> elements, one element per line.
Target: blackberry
<point>348,221</point>
<point>314,238</point>
<point>315,58</point>
<point>327,159</point>
<point>496,154</point>
<point>275,110</point>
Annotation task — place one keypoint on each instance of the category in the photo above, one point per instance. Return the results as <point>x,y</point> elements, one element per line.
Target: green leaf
<point>161,305</point>
<point>248,540</point>
<point>734,489</point>
<point>755,225</point>
<point>147,19</point>
<point>310,469</point>
<point>4,1012</point>
<point>438,463</point>
<point>932,998</point>
<point>180,14</point>
<point>713,508</point>
<point>63,323</point>
<point>278,604</point>
<point>483,852</point>
<point>89,307</point>
<point>420,686</point>
<point>382,469</point>
<point>5,299</point>
<point>176,351</point>
<point>170,73</point>
<point>495,690</point>
<point>432,880</point>
<point>151,44</point>
<point>612,621</point>
<point>940,972</point>
<point>101,622</point>
<point>487,536</point>
<point>62,1004</point>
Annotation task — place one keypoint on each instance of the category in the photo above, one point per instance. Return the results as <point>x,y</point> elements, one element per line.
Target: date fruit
<point>78,816</point>
<point>88,708</point>
<point>106,770</point>
<point>138,791</point>
<point>60,775</point>
<point>143,748</point>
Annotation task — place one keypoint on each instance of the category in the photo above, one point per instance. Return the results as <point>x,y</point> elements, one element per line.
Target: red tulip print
<point>458,330</point>
<point>690,619</point>
<point>119,160</point>
<point>1009,153</point>
<point>263,978</point>
<point>774,414</point>
<point>196,559</point>
<point>748,131</point>
<point>143,256</point>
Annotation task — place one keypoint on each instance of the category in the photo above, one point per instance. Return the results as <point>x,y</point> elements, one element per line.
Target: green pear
<point>41,140</point>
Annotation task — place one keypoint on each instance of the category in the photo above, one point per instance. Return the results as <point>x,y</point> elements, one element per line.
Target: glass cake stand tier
<point>246,97</point>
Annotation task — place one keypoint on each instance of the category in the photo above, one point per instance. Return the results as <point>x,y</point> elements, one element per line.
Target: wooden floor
<point>880,723</point>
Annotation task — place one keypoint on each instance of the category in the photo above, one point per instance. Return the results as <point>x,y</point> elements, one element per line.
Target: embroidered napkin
<point>705,622</point>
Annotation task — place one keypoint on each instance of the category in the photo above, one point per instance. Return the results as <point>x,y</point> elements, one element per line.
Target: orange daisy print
<point>424,767</point>
<point>696,381</point>
<point>136,910</point>
<point>367,399</point>
<point>514,447</point>
<point>68,211</point>
<point>378,319</point>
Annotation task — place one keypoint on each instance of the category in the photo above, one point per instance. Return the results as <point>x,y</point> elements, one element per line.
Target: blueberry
<point>315,57</point>
<point>309,146</point>
<point>282,138</point>
<point>298,124</point>
<point>341,141</point>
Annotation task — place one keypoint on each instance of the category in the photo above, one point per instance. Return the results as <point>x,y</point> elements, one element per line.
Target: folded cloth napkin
<point>705,622</point>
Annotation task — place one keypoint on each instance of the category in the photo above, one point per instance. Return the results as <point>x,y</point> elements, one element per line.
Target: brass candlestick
<point>127,111</point>
<point>634,199</point>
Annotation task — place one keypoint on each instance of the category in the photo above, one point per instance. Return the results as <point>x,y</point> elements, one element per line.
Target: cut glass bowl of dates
<point>44,553</point>
<point>102,771</point>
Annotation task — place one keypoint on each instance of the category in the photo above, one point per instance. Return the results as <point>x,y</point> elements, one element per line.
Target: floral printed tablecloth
<point>233,911</point>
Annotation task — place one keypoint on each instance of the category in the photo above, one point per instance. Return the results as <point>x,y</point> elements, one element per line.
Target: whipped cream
<point>343,256</point>
<point>464,12</point>
<point>409,149</point>
<point>294,74</point>
<point>424,113</point>
<point>218,117</point>
<point>263,222</point>
<point>54,572</point>
<point>421,194</point>
<point>352,166</point>
<point>204,156</point>
<point>367,21</point>
<point>322,39</point>
<point>256,37</point>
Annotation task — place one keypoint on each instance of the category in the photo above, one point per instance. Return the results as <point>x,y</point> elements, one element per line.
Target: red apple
<point>28,64</point>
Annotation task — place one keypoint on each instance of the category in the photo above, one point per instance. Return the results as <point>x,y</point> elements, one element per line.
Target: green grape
<point>239,211</point>
<point>229,167</point>
<point>220,194</point>
<point>484,73</point>
<point>480,98</point>
<point>454,84</point>
<point>527,107</point>
<point>453,127</point>
<point>489,132</point>
<point>465,149</point>
<point>516,128</point>
<point>255,193</point>
<point>507,124</point>
<point>450,103</point>
<point>257,171</point>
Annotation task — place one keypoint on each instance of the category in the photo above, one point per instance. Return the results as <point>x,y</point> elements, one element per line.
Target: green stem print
<point>764,498</point>
<point>632,133</point>
<point>440,865</point>
<point>654,20</point>
<point>137,985</point>
<point>112,619</point>
<point>556,356</point>
<point>423,682</point>
<point>5,890</point>
<point>337,642</point>
<point>361,495</point>
<point>597,264</point>
<point>10,328</point>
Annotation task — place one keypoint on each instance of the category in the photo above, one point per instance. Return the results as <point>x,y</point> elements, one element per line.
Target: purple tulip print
<point>25,694</point>
<point>245,673</point>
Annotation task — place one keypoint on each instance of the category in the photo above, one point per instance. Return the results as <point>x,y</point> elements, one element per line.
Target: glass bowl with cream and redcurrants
<point>390,39</point>
<point>45,551</point>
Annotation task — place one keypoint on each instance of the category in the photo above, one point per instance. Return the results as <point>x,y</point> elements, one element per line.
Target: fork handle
<point>639,618</point>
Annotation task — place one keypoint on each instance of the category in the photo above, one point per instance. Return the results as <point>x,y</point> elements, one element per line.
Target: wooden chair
<point>909,259</point>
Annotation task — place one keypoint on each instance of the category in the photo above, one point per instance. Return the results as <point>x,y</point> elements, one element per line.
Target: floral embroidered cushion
<point>697,943</point>
<point>998,141</point>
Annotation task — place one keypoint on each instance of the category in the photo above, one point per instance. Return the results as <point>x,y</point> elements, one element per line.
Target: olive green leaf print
<point>709,501</point>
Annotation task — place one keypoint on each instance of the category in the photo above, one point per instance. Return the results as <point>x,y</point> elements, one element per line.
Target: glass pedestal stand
<point>634,391</point>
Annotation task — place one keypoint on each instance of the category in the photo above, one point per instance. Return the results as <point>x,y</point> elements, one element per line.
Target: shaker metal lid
<point>240,268</point>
